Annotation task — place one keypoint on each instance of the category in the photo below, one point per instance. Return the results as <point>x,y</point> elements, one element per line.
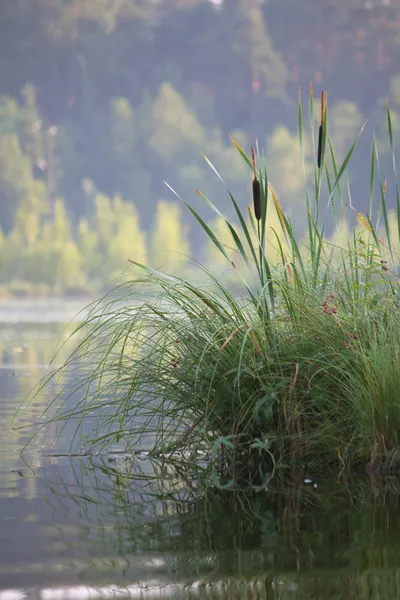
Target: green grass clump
<point>301,369</point>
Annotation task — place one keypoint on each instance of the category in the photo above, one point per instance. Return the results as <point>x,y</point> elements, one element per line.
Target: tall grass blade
<point>237,209</point>
<point>300,129</point>
<point>348,157</point>
<point>385,217</point>
<point>243,154</point>
<point>246,233</point>
<point>336,175</point>
<point>329,184</point>
<point>398,210</point>
<point>232,230</point>
<point>372,176</point>
<point>390,130</point>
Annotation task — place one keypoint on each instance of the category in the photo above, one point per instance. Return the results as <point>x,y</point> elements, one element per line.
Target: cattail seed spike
<point>256,188</point>
<point>321,129</point>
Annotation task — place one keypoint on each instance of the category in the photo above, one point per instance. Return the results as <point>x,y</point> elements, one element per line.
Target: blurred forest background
<point>103,100</point>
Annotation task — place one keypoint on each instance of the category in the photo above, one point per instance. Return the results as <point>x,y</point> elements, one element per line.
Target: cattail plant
<point>301,365</point>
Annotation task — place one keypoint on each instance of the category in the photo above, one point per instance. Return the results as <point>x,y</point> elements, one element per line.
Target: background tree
<point>169,245</point>
<point>111,238</point>
<point>138,89</point>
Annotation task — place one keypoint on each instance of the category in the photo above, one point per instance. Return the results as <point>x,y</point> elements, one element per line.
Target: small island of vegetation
<point>297,364</point>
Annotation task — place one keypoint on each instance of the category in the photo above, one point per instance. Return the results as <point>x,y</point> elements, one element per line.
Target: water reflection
<point>123,526</point>
<point>138,526</point>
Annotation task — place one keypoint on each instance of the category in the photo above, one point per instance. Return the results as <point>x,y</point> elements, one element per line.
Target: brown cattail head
<point>319,158</point>
<point>321,129</point>
<point>257,199</point>
<point>256,189</point>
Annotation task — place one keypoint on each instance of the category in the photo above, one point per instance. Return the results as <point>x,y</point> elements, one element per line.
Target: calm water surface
<point>79,528</point>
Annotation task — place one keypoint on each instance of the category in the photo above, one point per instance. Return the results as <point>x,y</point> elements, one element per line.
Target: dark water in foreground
<point>79,528</point>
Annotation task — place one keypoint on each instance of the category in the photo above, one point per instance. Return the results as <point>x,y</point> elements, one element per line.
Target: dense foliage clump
<point>300,366</point>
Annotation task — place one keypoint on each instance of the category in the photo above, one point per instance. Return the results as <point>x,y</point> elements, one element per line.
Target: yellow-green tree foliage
<point>169,245</point>
<point>285,170</point>
<point>111,238</point>
<point>345,121</point>
<point>16,181</point>
<point>267,65</point>
<point>176,130</point>
<point>123,130</point>
<point>54,258</point>
<point>215,261</point>
<point>41,250</point>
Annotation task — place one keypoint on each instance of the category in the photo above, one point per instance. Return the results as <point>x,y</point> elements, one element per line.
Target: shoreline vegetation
<point>299,370</point>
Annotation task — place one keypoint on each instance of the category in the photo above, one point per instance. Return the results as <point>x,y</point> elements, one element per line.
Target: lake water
<point>78,528</point>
